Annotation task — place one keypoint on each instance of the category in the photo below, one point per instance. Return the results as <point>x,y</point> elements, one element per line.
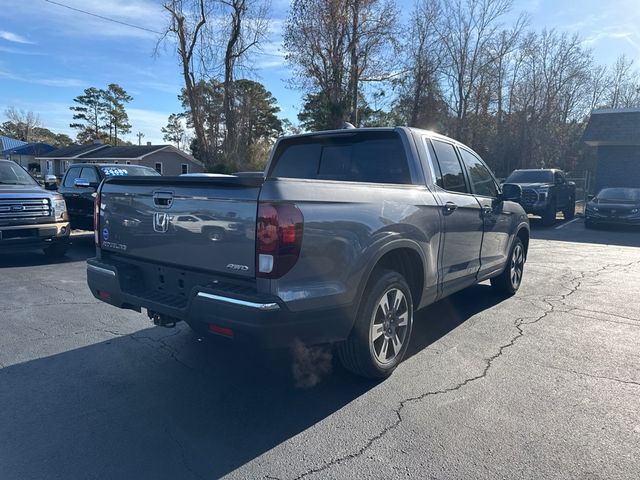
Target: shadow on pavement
<point>437,320</point>
<point>163,404</point>
<point>576,232</point>
<point>82,247</point>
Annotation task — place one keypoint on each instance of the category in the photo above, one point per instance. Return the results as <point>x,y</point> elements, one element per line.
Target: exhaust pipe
<point>161,320</point>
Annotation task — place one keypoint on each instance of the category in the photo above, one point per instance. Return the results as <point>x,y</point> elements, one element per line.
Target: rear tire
<point>549,215</point>
<point>509,281</point>
<point>57,250</point>
<point>382,329</point>
<point>570,211</point>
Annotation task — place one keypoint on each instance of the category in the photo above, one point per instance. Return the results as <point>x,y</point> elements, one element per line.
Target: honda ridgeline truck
<point>343,238</point>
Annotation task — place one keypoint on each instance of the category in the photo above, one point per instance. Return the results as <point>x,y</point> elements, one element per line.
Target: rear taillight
<point>96,218</point>
<point>278,238</point>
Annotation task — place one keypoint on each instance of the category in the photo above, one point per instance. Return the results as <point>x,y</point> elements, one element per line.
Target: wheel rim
<point>389,326</point>
<point>517,266</point>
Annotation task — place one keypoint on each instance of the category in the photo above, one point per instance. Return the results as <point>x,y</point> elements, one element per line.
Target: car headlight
<point>59,208</point>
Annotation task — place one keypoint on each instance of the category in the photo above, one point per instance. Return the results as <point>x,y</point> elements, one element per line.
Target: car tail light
<point>96,218</point>
<point>278,238</point>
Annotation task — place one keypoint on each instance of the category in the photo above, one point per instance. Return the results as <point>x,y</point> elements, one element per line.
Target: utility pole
<point>139,135</point>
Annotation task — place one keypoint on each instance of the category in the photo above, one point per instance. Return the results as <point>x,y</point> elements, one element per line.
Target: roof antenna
<point>347,126</point>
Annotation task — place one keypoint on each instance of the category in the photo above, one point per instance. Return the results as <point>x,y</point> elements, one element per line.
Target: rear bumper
<point>33,237</point>
<point>259,319</point>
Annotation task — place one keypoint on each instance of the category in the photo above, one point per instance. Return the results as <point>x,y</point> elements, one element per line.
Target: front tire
<point>382,330</point>
<point>549,215</point>
<point>508,282</point>
<point>570,211</point>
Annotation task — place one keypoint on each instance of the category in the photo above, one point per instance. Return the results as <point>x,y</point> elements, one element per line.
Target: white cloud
<point>43,80</point>
<point>70,19</point>
<point>13,37</point>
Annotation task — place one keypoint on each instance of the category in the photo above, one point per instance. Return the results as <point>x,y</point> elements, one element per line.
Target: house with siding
<point>615,134</point>
<point>165,159</point>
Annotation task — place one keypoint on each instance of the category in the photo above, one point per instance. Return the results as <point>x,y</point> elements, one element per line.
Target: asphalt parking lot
<point>545,384</point>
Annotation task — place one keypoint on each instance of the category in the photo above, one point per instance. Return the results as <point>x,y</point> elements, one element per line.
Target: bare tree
<point>335,46</point>
<point>25,122</point>
<point>624,89</point>
<point>187,19</point>
<point>472,33</point>
<point>246,26</point>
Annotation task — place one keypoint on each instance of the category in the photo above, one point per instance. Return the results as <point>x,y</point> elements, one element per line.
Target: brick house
<point>615,133</point>
<point>165,159</point>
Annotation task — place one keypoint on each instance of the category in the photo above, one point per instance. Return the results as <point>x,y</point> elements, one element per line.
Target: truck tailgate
<point>201,223</point>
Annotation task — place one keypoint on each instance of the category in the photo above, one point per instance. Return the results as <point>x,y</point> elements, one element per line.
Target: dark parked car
<point>546,192</point>
<point>614,206</point>
<point>79,185</point>
<point>346,234</point>
<point>30,216</point>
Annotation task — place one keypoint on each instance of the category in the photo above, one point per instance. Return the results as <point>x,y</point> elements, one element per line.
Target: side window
<point>72,174</point>
<point>481,178</point>
<point>90,174</point>
<point>450,175</point>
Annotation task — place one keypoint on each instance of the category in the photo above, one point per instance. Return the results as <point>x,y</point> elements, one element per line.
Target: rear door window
<point>71,176</point>
<point>375,157</point>
<point>449,172</point>
<point>480,176</point>
<point>90,175</point>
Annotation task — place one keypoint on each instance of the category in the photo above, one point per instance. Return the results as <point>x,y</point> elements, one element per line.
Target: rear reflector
<point>104,295</point>
<point>218,330</point>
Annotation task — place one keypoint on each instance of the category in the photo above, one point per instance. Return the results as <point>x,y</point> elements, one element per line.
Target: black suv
<point>30,217</point>
<point>545,192</point>
<point>80,183</point>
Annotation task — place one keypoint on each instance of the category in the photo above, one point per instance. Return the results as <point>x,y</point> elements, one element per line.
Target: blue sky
<point>49,54</point>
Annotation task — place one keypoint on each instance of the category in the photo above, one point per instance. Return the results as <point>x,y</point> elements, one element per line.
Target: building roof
<point>30,149</point>
<point>7,143</point>
<point>101,152</point>
<point>126,152</point>
<point>613,127</point>
<point>74,151</point>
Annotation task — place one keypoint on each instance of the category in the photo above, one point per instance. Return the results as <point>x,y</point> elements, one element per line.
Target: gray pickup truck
<point>346,235</point>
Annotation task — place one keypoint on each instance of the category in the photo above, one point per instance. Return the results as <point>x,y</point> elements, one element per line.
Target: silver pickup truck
<point>343,238</point>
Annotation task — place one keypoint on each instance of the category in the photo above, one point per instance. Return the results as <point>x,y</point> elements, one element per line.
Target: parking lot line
<point>567,223</point>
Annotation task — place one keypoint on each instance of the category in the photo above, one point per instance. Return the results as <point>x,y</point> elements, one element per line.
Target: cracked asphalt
<point>545,384</point>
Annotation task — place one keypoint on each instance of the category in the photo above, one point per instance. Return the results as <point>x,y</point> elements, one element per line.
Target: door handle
<point>449,208</point>
<point>487,210</point>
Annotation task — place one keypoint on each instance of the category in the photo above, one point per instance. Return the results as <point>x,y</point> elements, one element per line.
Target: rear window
<point>125,170</point>
<point>376,157</point>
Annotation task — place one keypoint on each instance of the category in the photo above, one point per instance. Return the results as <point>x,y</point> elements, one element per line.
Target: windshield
<point>13,174</point>
<point>620,194</point>
<point>124,170</point>
<point>530,176</point>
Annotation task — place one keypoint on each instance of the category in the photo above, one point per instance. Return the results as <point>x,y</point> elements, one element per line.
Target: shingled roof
<point>613,127</point>
<point>129,151</point>
<point>74,151</point>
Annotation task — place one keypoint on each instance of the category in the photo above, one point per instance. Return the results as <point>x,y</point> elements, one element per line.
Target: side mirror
<point>50,182</point>
<point>590,197</point>
<point>81,183</point>
<point>511,192</point>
